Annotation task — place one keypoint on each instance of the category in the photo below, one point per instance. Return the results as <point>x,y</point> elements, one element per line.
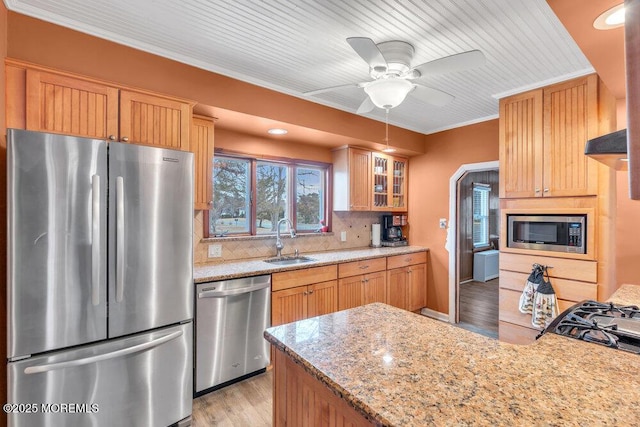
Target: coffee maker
<point>391,230</point>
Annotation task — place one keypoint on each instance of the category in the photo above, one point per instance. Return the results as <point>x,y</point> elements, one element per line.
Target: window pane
<point>481,216</point>
<point>230,196</point>
<point>309,198</point>
<point>271,189</point>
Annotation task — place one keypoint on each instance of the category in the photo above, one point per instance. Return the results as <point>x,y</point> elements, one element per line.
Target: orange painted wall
<point>249,144</point>
<point>429,176</point>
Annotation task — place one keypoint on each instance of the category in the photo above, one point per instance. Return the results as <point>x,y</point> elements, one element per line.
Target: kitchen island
<point>378,365</point>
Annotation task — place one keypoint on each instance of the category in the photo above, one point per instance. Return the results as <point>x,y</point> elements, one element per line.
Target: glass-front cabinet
<point>389,183</point>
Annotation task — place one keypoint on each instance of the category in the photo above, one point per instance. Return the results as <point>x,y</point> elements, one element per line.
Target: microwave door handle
<point>95,240</point>
<point>99,358</point>
<point>119,239</point>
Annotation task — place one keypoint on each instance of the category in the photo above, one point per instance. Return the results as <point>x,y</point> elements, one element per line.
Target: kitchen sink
<point>289,260</point>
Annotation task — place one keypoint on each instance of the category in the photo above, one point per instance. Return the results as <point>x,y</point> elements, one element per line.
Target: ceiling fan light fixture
<point>388,93</point>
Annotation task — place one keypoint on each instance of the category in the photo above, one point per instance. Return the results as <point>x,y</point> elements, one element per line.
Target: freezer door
<point>57,217</point>
<point>150,237</point>
<point>142,380</point>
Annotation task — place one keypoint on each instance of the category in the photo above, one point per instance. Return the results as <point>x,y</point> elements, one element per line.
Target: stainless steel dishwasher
<point>231,317</point>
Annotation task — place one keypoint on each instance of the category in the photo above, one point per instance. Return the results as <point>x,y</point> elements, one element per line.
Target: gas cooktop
<point>613,325</point>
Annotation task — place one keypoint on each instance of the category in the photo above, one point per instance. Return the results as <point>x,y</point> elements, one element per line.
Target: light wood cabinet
<point>202,145</point>
<point>154,120</point>
<point>71,105</point>
<point>389,183</point>
<point>542,138</point>
<point>407,281</point>
<point>362,282</point>
<point>300,294</point>
<point>369,181</point>
<point>573,281</point>
<point>60,104</point>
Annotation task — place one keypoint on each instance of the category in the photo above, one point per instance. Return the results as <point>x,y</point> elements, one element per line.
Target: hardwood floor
<point>479,307</point>
<point>246,403</point>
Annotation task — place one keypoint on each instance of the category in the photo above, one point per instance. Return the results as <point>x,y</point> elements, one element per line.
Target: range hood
<point>610,149</point>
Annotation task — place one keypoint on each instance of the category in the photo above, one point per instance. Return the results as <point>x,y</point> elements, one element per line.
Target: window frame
<point>486,191</point>
<point>292,165</point>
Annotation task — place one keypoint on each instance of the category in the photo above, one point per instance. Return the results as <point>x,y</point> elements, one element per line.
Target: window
<point>250,196</point>
<point>481,214</point>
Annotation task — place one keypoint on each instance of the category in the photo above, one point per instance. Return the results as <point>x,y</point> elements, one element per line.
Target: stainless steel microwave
<point>557,233</point>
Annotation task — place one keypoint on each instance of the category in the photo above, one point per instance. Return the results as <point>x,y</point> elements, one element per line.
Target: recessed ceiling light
<point>278,131</point>
<point>612,18</point>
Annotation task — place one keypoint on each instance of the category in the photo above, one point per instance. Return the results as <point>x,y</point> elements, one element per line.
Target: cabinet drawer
<point>354,268</point>
<point>307,276</point>
<point>570,290</point>
<point>509,311</point>
<point>406,259</point>
<point>572,269</point>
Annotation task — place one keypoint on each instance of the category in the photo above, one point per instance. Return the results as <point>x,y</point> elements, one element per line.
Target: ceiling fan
<point>390,68</point>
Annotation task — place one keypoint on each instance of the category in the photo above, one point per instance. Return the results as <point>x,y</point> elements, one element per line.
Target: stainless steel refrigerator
<point>100,282</point>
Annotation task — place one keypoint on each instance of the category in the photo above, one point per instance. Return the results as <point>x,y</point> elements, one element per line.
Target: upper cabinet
<point>202,142</point>
<point>369,181</point>
<point>63,104</point>
<point>542,137</point>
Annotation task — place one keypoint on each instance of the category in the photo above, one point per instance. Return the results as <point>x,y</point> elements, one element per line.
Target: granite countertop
<point>231,270</point>
<point>402,369</point>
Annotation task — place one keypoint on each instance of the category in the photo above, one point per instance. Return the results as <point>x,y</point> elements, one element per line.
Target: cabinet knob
<point>310,292</point>
<point>125,139</point>
<point>112,137</point>
<point>546,190</point>
<point>537,190</point>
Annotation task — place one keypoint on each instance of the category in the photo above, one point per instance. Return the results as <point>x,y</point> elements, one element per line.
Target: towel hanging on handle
<point>545,305</point>
<point>534,280</point>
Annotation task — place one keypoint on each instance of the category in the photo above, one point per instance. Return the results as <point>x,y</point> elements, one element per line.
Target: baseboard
<point>435,314</point>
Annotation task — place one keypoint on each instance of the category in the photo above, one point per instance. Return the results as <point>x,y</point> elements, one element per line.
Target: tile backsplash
<point>356,224</point>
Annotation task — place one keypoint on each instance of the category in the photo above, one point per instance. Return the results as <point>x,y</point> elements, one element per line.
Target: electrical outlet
<point>443,222</point>
<point>215,251</point>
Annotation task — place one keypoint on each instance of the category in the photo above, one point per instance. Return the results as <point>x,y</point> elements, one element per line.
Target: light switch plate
<point>343,236</point>
<point>443,222</point>
<point>215,251</point>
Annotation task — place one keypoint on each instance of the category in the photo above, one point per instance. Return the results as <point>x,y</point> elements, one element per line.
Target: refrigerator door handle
<point>99,358</point>
<point>119,238</point>
<point>95,240</point>
<point>213,293</point>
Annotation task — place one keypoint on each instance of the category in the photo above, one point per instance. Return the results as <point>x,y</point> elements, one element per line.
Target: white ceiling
<point>298,46</point>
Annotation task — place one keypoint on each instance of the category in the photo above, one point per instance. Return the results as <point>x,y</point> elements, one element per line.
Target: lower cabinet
<point>364,288</point>
<point>573,280</point>
<point>407,281</point>
<point>299,294</point>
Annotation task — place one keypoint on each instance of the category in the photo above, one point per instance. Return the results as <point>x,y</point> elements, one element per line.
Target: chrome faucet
<point>292,233</point>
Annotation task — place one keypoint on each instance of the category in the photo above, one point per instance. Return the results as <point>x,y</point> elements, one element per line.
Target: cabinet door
<point>397,287</point>
<point>521,145</point>
<point>322,298</point>
<point>569,110</point>
<point>202,142</point>
<point>61,104</point>
<point>350,292</point>
<point>154,120</point>
<point>289,305</point>
<point>375,288</point>
<point>382,165</point>
<point>359,179</point>
<point>417,287</point>
<point>398,178</point>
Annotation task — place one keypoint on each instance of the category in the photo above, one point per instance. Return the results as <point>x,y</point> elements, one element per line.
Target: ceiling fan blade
<point>367,49</point>
<point>450,64</point>
<point>432,96</point>
<point>330,89</point>
<point>366,106</point>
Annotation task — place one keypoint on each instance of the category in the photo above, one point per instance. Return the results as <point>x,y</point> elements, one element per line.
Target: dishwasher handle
<point>213,292</point>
